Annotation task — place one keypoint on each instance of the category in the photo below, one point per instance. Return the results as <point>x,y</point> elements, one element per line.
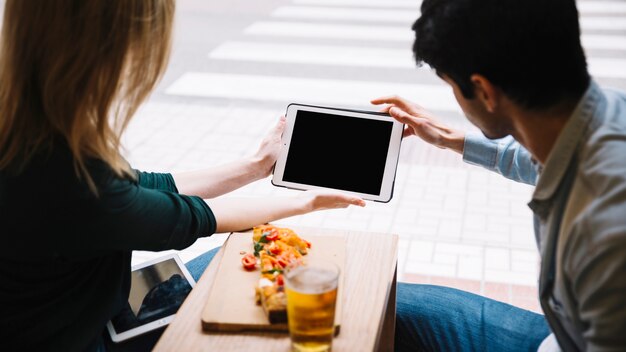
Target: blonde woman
<point>72,74</point>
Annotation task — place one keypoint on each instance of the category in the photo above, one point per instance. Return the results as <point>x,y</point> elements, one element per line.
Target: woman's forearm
<point>237,214</point>
<point>217,181</point>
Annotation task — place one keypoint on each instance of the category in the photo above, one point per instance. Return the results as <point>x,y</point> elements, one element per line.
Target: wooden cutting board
<point>231,305</point>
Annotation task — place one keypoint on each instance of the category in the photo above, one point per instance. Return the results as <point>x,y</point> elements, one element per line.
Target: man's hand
<point>265,157</point>
<point>421,123</point>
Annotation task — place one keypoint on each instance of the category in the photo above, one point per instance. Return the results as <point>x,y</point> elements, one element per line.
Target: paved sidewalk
<point>458,224</point>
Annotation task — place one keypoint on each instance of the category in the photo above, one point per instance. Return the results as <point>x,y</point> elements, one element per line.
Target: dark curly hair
<point>528,48</point>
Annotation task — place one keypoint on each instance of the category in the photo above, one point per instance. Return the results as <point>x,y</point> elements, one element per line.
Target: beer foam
<point>311,280</point>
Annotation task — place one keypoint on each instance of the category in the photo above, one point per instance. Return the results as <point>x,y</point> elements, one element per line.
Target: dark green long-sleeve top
<point>65,253</point>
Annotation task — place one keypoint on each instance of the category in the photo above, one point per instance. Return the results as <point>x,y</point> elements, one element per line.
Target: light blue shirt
<point>579,206</point>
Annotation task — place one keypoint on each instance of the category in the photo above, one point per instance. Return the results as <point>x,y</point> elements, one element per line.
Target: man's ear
<point>486,92</point>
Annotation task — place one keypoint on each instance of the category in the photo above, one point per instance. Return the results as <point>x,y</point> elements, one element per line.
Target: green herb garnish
<point>258,247</point>
<point>273,271</point>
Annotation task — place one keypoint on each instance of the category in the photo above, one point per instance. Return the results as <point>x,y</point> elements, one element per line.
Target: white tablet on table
<point>158,288</point>
<point>352,151</point>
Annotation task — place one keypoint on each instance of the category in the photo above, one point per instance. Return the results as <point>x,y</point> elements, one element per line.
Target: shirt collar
<point>566,144</point>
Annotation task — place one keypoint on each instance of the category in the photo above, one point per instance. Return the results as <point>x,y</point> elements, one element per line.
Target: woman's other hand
<point>265,157</point>
<point>222,179</point>
<point>234,214</point>
<point>421,123</point>
<point>320,200</point>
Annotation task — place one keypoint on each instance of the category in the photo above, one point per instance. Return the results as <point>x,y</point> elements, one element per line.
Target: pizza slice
<point>274,249</point>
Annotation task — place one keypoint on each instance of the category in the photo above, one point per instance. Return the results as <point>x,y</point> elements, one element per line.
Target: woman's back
<point>54,293</point>
<point>72,73</point>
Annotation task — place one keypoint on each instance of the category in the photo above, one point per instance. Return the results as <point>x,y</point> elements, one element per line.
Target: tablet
<point>352,151</point>
<point>158,288</point>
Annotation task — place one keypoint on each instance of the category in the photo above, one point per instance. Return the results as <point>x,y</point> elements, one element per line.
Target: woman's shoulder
<point>53,170</point>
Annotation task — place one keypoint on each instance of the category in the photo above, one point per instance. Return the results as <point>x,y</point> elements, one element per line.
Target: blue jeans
<point>197,265</point>
<point>147,341</point>
<point>436,318</point>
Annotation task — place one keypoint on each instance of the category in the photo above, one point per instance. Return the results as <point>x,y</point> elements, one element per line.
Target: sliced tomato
<point>249,261</point>
<point>282,262</point>
<point>272,236</point>
<point>274,248</point>
<point>280,281</point>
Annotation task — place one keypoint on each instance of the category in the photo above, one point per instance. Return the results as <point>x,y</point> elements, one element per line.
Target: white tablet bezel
<point>393,150</point>
<point>119,337</point>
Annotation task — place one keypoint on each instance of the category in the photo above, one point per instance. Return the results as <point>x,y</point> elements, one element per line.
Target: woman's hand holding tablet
<point>340,149</point>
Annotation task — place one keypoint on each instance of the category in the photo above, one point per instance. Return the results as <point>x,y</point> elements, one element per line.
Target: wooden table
<point>369,312</point>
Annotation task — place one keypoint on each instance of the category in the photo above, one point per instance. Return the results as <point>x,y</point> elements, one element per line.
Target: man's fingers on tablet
<point>385,109</point>
<point>400,115</point>
<point>392,99</point>
<point>408,131</point>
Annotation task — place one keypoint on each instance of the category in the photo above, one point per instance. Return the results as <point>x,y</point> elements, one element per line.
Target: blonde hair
<point>78,70</point>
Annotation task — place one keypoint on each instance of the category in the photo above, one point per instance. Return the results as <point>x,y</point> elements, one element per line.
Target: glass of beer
<point>311,298</point>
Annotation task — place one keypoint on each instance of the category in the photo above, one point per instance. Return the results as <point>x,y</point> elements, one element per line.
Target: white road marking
<point>613,7</point>
<point>331,31</point>
<point>584,7</point>
<point>363,3</point>
<point>607,67</point>
<point>315,54</point>
<point>346,14</point>
<point>361,56</point>
<point>603,23</point>
<point>606,42</point>
<point>408,17</point>
<point>386,33</point>
<point>309,90</point>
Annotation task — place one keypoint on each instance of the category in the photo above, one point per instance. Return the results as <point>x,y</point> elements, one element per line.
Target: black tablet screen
<point>340,152</point>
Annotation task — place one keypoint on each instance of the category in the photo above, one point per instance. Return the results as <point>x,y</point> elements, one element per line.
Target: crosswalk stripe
<point>606,67</point>
<point>408,17</point>
<point>603,23</point>
<point>604,42</point>
<point>360,56</point>
<point>330,31</point>
<point>363,3</point>
<point>387,33</point>
<point>584,7</point>
<point>314,54</point>
<point>345,14</point>
<point>309,90</point>
<point>613,7</point>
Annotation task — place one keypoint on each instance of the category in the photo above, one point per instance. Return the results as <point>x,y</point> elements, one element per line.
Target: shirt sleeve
<point>126,215</point>
<point>504,156</point>
<point>154,180</point>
